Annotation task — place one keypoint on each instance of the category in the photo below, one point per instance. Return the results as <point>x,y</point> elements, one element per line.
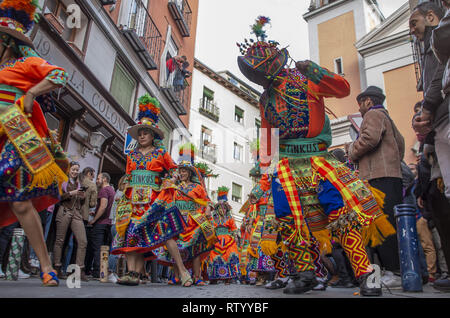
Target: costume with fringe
<point>29,168</point>
<point>198,238</point>
<point>191,199</point>
<point>223,263</point>
<point>258,261</point>
<point>314,197</point>
<point>146,215</point>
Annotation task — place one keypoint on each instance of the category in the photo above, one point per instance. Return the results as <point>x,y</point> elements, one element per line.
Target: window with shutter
<point>236,192</point>
<point>237,153</point>
<point>122,86</point>
<point>238,115</point>
<point>207,93</point>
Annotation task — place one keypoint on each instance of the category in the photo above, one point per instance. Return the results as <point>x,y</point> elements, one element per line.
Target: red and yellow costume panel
<point>27,165</point>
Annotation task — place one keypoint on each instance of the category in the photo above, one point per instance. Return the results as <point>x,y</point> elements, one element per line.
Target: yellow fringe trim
<point>46,177</point>
<point>377,232</point>
<point>283,247</point>
<point>252,252</point>
<point>324,239</point>
<point>268,247</point>
<point>378,195</point>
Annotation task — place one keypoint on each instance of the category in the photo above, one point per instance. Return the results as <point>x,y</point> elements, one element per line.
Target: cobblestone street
<point>31,288</point>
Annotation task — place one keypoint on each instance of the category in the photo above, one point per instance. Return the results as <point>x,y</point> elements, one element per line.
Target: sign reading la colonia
<point>49,51</point>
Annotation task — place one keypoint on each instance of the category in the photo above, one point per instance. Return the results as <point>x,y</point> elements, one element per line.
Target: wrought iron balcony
<point>143,35</point>
<point>182,14</point>
<point>208,152</point>
<point>209,109</point>
<point>178,95</point>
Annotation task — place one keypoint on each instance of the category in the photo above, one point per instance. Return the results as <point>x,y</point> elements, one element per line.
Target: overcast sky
<point>223,23</point>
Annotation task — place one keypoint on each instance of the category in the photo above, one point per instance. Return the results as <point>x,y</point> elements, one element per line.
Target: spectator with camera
<point>69,215</point>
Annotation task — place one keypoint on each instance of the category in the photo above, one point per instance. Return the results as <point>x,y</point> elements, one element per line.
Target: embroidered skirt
<point>191,244</point>
<point>150,225</point>
<point>224,259</point>
<point>15,181</point>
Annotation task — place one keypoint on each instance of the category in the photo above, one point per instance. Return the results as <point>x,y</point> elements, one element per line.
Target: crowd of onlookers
<point>76,228</point>
<point>379,150</point>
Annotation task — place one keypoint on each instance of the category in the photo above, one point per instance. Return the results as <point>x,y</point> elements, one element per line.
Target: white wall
<point>224,134</point>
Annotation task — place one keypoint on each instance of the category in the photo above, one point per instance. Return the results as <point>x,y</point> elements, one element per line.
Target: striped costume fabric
<point>290,189</point>
<point>325,170</point>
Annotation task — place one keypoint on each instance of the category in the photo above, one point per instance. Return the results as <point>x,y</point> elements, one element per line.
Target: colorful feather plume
<point>257,28</point>
<point>222,190</point>
<point>23,11</point>
<point>205,170</point>
<point>187,152</point>
<point>149,107</point>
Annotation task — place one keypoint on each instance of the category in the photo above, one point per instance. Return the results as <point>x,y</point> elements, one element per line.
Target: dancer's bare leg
<point>172,247</point>
<point>31,223</point>
<point>196,264</point>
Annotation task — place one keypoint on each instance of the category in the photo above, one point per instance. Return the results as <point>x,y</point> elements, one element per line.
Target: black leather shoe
<point>365,290</point>
<point>342,284</point>
<point>301,283</point>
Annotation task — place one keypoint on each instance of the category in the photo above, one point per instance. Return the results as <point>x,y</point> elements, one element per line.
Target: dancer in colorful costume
<point>313,195</point>
<point>223,261</point>
<point>191,199</point>
<point>146,216</point>
<point>257,260</point>
<point>30,177</point>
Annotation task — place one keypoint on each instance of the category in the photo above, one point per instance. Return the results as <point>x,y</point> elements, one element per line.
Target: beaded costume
<point>29,167</point>
<point>314,197</point>
<point>223,263</point>
<point>191,199</point>
<point>146,215</point>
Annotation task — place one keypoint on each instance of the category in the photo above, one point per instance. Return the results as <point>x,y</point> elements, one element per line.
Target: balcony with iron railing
<point>209,109</point>
<point>208,151</point>
<point>142,33</point>
<point>178,92</point>
<point>182,14</point>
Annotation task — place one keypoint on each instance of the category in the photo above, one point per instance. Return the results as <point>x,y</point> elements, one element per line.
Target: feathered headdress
<point>17,18</point>
<point>148,117</point>
<point>222,193</point>
<point>187,154</point>
<point>262,60</point>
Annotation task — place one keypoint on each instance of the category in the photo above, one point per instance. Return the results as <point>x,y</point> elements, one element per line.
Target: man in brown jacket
<point>379,151</point>
<point>87,182</point>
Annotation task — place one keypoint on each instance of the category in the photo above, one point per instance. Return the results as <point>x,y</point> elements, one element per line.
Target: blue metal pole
<point>408,245</point>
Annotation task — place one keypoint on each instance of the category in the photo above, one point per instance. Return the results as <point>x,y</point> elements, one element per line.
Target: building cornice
<point>388,42</point>
<point>383,26</point>
<point>312,14</point>
<point>225,83</point>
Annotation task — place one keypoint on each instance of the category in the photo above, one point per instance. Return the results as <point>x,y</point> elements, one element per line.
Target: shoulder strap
<point>397,135</point>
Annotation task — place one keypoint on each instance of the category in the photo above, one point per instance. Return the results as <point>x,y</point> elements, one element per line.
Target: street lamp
<point>96,140</point>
